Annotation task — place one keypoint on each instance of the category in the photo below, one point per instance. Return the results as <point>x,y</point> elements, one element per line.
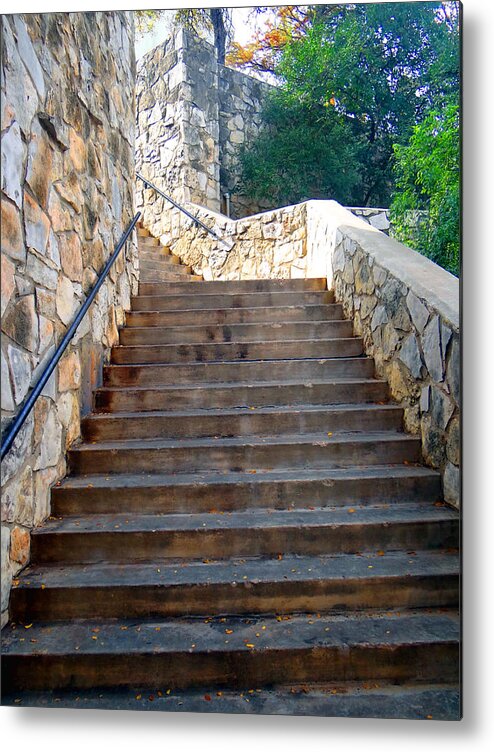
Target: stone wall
<point>405,306</point>
<point>67,145</point>
<point>240,102</point>
<point>192,115</point>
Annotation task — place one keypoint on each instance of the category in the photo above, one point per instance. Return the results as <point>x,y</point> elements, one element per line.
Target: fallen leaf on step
<point>207,697</point>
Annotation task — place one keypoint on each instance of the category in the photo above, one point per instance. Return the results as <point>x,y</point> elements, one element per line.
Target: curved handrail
<point>181,208</point>
<point>19,420</point>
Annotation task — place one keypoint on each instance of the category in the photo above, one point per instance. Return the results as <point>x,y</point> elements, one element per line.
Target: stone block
<point>6,569</point>
<point>425,396</point>
<point>441,407</point>
<point>418,311</point>
<point>21,323</point>
<point>77,151</point>
<point>379,317</point>
<point>45,333</point>
<point>452,484</point>
<point>433,445</point>
<point>19,451</point>
<point>40,166</point>
<point>65,302</point>
<point>12,241</point>
<point>18,498</point>
<point>20,370</point>
<point>69,372</point>
<point>7,281</point>
<point>410,356</point>
<point>13,154</point>
<point>28,55</point>
<point>37,225</point>
<point>453,444</point>
<point>431,348</point>
<point>51,446</point>
<point>71,256</point>
<point>40,272</point>
<point>20,544</point>
<point>7,398</point>
<point>453,370</point>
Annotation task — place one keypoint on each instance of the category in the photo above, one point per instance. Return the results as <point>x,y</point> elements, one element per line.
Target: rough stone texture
<point>391,293</point>
<point>192,117</point>
<point>67,143</point>
<point>412,332</point>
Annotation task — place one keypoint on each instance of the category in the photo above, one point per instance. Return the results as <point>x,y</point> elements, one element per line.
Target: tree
<point>199,20</point>
<point>304,151</point>
<point>379,66</point>
<point>428,187</point>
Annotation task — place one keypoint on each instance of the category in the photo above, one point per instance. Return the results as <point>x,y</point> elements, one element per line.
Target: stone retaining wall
<point>192,115</point>
<point>405,306</point>
<point>67,142</point>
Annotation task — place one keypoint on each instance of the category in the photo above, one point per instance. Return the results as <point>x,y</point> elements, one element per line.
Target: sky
<point>243,31</point>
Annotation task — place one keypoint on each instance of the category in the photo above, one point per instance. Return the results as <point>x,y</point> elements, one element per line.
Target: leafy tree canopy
<point>426,207</point>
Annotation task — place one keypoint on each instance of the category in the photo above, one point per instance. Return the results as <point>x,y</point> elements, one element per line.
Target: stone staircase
<point>157,263</point>
<point>245,527</point>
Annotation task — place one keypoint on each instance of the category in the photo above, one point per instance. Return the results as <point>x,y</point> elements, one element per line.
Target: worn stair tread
<point>227,313</point>
<point>244,329</point>
<point>211,478</point>
<point>256,372</point>
<point>289,569</point>
<point>242,384</point>
<point>227,634</point>
<point>375,699</point>
<point>246,343</point>
<point>121,524</point>
<point>315,439</point>
<point>261,285</point>
<point>229,412</point>
<point>247,325</point>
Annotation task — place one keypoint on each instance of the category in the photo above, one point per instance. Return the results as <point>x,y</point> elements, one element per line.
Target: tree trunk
<point>219,33</point>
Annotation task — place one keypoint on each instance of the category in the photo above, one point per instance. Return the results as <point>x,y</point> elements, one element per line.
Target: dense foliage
<point>355,82</point>
<point>428,188</point>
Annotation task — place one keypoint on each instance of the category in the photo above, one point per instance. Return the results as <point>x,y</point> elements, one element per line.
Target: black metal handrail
<point>19,420</point>
<point>148,183</point>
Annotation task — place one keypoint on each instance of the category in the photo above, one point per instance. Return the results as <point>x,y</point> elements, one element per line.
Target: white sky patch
<point>245,25</point>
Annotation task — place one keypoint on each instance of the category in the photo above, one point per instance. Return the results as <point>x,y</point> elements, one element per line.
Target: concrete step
<point>252,285</point>
<point>129,538</point>
<point>245,453</point>
<point>253,372</point>
<point>213,492</point>
<point>235,394</point>
<point>232,652</point>
<point>211,317</point>
<point>267,421</point>
<point>286,585</point>
<point>157,260</point>
<point>257,332</point>
<point>370,699</point>
<point>179,274</point>
<point>147,241</point>
<point>197,299</point>
<point>185,352</point>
